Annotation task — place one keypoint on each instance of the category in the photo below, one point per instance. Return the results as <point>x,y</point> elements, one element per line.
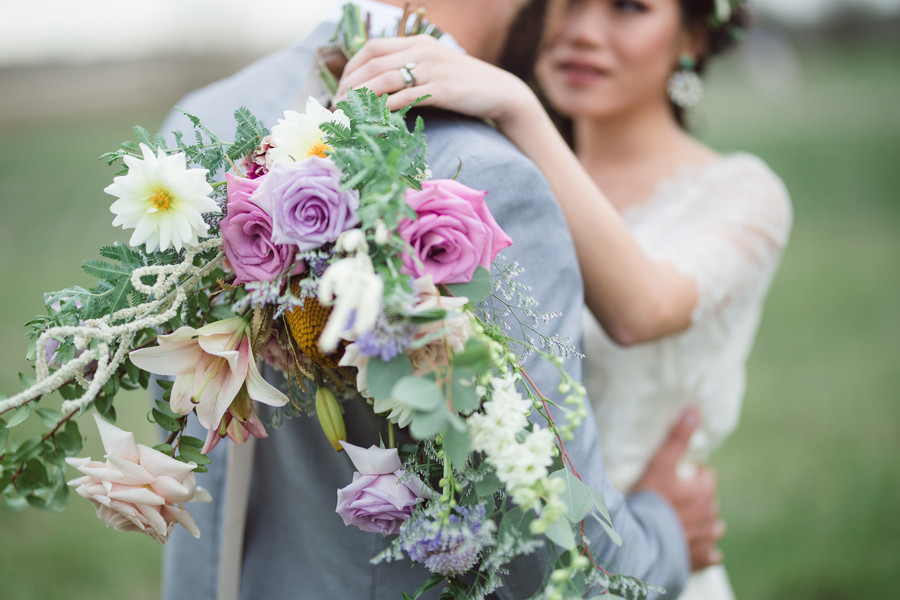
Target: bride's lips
<point>580,72</point>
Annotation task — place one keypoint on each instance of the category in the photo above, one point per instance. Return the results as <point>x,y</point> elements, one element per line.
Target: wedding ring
<point>408,74</point>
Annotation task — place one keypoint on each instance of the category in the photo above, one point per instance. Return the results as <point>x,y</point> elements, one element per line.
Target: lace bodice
<point>724,225</point>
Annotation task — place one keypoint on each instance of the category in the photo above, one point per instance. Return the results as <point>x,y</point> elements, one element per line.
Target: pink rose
<point>138,488</point>
<point>247,235</point>
<point>454,234</point>
<point>378,500</point>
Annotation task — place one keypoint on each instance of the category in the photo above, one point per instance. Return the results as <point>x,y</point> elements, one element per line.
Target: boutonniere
<point>354,30</point>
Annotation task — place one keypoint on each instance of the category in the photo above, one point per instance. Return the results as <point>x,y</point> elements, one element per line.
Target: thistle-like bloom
<point>297,136</point>
<point>162,200</point>
<point>448,545</point>
<point>211,365</point>
<point>138,488</point>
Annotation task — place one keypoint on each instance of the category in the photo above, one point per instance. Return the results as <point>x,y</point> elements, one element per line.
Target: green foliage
<point>475,290</point>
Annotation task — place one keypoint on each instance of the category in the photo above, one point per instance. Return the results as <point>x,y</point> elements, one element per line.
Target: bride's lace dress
<point>724,225</point>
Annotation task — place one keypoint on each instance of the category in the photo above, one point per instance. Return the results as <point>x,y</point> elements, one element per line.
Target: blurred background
<point>810,482</point>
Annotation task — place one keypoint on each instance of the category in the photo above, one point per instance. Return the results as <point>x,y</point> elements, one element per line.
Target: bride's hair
<point>522,46</point>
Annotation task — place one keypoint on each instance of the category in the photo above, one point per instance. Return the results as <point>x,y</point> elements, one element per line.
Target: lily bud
<point>330,418</point>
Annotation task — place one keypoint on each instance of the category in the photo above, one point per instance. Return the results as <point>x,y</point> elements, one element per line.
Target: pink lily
<point>211,366</point>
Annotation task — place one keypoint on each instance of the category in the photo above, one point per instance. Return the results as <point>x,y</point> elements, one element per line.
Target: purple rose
<point>247,235</point>
<point>378,500</point>
<point>308,206</point>
<point>454,234</point>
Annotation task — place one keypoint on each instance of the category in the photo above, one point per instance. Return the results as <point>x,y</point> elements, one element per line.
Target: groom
<point>295,546</point>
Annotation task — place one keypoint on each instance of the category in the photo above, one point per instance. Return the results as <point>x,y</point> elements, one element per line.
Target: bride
<point>677,244</point>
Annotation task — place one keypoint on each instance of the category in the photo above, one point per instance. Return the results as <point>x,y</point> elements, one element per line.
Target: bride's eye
<point>630,6</point>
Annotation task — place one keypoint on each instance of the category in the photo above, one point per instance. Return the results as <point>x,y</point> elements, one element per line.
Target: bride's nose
<point>586,24</point>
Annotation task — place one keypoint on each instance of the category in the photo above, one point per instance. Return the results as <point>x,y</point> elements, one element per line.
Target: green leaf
<point>476,356</point>
<point>426,425</point>
<point>599,504</point>
<point>433,581</point>
<point>488,484</point>
<point>4,435</point>
<point>49,416</point>
<point>577,495</point>
<point>69,439</point>
<point>165,421</point>
<point>104,406</point>
<point>560,533</point>
<point>193,454</point>
<point>427,316</point>
<point>164,448</point>
<point>456,445</point>
<point>19,415</point>
<point>187,440</point>
<point>515,523</point>
<point>26,381</point>
<point>613,535</point>
<point>33,476</point>
<point>418,393</point>
<point>462,388</point>
<point>381,376</point>
<point>475,290</point>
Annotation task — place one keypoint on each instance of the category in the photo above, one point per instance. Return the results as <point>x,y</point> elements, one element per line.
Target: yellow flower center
<point>318,149</point>
<point>160,201</point>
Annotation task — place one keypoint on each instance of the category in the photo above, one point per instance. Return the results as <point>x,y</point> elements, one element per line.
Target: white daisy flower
<point>162,200</point>
<point>297,136</point>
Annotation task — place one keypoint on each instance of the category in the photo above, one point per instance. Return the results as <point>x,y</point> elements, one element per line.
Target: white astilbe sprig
<point>167,294</point>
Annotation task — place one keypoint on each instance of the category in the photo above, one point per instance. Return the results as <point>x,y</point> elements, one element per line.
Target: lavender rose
<point>308,206</point>
<point>454,234</point>
<point>378,501</point>
<point>247,235</point>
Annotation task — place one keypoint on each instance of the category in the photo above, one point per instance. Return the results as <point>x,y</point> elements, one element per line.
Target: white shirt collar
<point>385,18</point>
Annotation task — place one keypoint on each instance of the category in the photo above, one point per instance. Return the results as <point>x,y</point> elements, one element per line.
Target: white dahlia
<point>297,136</point>
<point>162,200</point>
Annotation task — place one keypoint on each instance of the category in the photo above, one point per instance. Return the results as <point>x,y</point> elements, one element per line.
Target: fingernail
<point>719,529</point>
<point>691,417</point>
<point>715,557</point>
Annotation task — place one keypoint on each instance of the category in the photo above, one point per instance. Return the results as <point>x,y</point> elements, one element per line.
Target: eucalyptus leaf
<point>14,503</point>
<point>488,484</point>
<point>4,435</point>
<point>164,448</point>
<point>476,356</point>
<point>19,415</point>
<point>577,495</point>
<point>381,376</point>
<point>560,533</point>
<point>475,290</point>
<point>462,389</point>
<point>418,393</point>
<point>456,445</point>
<point>600,504</point>
<point>426,425</point>
<point>516,523</point>
<point>613,535</point>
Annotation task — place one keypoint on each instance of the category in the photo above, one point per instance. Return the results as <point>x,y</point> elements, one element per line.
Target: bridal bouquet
<point>324,248</point>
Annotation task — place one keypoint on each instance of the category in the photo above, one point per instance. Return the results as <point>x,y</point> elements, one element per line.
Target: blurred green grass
<point>809,481</point>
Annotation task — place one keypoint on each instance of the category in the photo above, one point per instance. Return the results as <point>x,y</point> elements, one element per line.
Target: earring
<point>685,87</point>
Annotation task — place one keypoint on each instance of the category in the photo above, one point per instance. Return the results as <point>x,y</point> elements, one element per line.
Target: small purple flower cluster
<point>448,546</point>
<point>387,339</point>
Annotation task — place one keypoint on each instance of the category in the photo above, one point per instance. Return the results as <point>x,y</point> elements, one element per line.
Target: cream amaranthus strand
<point>168,289</point>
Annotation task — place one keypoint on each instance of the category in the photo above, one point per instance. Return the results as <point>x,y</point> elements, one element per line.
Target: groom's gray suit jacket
<point>296,546</point>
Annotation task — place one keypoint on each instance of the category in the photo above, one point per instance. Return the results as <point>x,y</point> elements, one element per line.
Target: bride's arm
<point>634,298</point>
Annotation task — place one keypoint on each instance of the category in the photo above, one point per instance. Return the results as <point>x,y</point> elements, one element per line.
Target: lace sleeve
<point>733,248</point>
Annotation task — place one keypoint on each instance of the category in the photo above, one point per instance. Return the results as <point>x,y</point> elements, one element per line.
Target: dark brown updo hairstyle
<point>520,54</point>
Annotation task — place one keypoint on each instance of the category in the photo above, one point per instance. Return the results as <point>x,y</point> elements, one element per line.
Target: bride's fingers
<point>383,46</point>
<point>407,96</point>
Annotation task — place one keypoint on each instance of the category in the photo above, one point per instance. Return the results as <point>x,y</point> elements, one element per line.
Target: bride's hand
<point>453,80</point>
